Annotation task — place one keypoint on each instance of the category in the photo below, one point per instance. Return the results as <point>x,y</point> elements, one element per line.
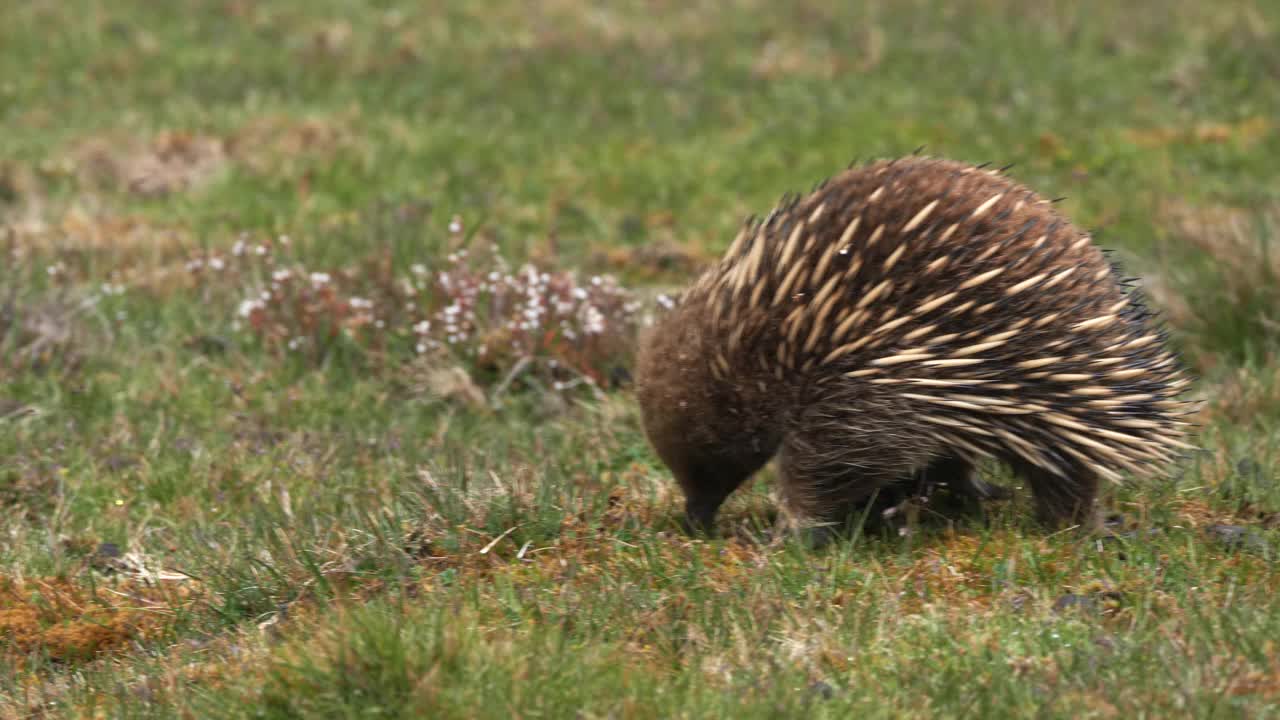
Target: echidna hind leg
<point>1062,500</point>
<point>949,484</point>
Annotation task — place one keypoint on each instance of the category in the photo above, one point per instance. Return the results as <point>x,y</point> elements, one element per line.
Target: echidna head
<point>696,423</point>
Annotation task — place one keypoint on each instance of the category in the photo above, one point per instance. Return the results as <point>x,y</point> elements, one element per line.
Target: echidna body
<point>904,321</point>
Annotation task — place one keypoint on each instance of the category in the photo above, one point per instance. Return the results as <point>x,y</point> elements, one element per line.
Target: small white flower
<point>281,275</point>
<point>455,225</point>
<point>420,347</point>
<point>358,303</point>
<point>418,269</point>
<point>580,293</point>
<point>260,250</point>
<point>247,307</point>
<point>238,248</point>
<point>423,327</point>
<point>319,278</point>
<point>284,239</point>
<point>216,263</point>
<point>593,322</point>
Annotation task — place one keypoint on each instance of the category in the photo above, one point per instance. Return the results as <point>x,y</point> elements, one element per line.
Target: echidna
<point>904,321</point>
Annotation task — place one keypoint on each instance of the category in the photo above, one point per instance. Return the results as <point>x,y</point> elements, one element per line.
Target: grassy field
<point>284,432</point>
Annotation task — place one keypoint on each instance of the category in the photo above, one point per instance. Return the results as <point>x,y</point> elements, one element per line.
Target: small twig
<point>485,550</point>
<point>498,481</point>
<point>1062,531</point>
<point>502,386</point>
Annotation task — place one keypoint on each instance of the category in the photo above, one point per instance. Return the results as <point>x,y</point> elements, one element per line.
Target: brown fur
<point>901,322</point>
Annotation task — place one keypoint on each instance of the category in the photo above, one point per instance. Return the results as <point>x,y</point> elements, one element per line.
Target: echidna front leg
<point>823,485</point>
<point>1062,500</point>
<point>961,477</point>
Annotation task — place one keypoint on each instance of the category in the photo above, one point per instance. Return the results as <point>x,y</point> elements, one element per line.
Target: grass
<point>201,521</point>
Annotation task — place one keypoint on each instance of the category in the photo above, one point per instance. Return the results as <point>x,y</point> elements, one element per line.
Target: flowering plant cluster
<point>473,307</point>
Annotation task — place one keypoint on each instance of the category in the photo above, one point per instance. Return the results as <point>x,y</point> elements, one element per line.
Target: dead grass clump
<point>1221,283</point>
<point>1247,132</point>
<point>75,234</point>
<point>1242,397</point>
<point>175,161</point>
<point>46,332</point>
<point>86,228</point>
<point>169,162</point>
<point>658,260</point>
<point>65,622</point>
<point>274,144</point>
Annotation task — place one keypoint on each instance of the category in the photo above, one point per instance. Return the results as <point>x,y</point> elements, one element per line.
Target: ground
<point>315,321</point>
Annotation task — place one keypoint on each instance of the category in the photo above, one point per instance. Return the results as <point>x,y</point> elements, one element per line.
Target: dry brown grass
<point>173,161</point>
<point>71,623</point>
<point>1242,397</point>
<point>1247,132</point>
<point>1220,282</point>
<point>169,162</point>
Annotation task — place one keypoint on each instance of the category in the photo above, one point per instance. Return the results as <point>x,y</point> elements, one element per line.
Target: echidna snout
<point>908,319</point>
